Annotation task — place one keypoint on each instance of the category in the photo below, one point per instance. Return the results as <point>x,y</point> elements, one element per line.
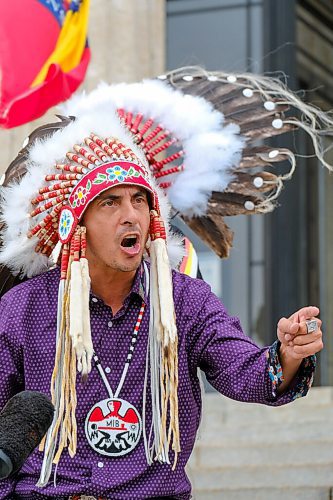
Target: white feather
<point>184,115</point>
<point>209,160</point>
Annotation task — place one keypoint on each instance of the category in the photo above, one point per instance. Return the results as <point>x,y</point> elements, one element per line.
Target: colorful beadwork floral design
<point>116,173</point>
<point>66,223</point>
<point>81,194</point>
<point>274,366</point>
<point>303,381</point>
<point>133,173</point>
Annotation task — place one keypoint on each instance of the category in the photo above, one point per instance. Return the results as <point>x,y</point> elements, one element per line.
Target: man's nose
<point>128,213</point>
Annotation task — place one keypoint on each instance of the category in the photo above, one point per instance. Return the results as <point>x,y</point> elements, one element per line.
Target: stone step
<point>215,404</point>
<point>251,414</point>
<point>317,396</point>
<point>301,453</point>
<point>217,433</point>
<point>315,476</point>
<point>264,494</point>
<point>250,451</point>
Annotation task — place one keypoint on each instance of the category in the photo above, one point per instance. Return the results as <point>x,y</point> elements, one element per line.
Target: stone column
<point>127,40</point>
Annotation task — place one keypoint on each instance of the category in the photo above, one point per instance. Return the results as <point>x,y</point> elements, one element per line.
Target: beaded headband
<point>93,169</point>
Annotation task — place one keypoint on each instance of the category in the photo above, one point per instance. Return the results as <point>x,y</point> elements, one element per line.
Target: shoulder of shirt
<point>43,281</point>
<point>190,285</point>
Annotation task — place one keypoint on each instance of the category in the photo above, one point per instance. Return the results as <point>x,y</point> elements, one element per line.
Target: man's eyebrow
<point>108,196</point>
<point>140,192</point>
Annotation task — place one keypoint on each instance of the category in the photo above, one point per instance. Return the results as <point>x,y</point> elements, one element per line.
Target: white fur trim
<point>184,115</point>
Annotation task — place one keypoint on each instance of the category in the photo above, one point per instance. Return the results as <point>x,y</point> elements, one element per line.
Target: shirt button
<point>94,299</point>
<point>108,369</point>
<point>109,324</point>
<point>100,465</point>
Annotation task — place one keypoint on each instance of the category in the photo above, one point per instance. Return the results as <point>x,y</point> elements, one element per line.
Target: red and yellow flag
<point>44,56</point>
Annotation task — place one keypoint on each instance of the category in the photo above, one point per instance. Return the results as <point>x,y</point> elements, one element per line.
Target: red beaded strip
<point>94,147</point>
<point>102,145</point>
<point>90,158</point>
<point>136,123</point>
<point>83,242</point>
<point>156,141</point>
<point>115,146</point>
<point>46,244</point>
<point>81,161</point>
<point>164,146</point>
<point>144,129</point>
<point>62,177</point>
<point>152,134</point>
<point>148,144</point>
<point>52,203</point>
<point>72,168</point>
<point>64,261</point>
<point>135,333</point>
<point>50,244</point>
<point>128,119</point>
<point>121,112</point>
<point>77,244</point>
<point>44,230</point>
<point>51,216</point>
<point>165,185</point>
<point>160,164</point>
<point>55,187</point>
<point>119,149</point>
<point>71,247</point>
<point>172,170</point>
<point>157,227</point>
<point>51,194</point>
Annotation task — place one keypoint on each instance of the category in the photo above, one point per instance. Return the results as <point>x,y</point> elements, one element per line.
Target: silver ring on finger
<point>311,325</point>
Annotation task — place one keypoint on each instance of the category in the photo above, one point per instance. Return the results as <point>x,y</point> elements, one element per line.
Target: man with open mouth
<point>105,317</point>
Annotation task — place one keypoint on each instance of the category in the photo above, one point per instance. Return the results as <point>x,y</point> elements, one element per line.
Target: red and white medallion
<point>113,427</point>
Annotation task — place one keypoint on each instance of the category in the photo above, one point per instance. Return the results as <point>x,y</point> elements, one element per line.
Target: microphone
<point>24,421</point>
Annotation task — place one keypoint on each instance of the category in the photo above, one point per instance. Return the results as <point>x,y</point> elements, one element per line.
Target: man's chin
<point>130,265</point>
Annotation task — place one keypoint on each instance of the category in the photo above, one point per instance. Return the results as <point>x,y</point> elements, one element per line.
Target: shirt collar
<point>139,288</point>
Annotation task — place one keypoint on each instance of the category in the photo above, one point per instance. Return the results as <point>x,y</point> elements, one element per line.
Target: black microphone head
<point>24,421</point>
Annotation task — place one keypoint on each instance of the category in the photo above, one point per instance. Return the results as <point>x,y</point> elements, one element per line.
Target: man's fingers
<point>303,330</point>
<point>288,326</point>
<point>308,349</point>
<point>288,337</point>
<point>307,313</point>
<point>307,339</point>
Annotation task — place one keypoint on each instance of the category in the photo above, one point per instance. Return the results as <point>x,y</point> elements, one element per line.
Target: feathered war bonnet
<point>191,135</point>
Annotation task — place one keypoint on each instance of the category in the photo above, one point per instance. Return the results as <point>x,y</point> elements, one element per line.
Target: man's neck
<point>111,286</point>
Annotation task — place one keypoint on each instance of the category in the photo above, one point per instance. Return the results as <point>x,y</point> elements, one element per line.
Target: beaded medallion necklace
<point>113,426</point>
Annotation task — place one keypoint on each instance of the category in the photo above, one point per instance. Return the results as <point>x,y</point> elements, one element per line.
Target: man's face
<point>117,225</point>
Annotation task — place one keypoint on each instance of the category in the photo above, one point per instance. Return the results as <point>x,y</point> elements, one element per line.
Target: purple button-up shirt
<point>208,339</point>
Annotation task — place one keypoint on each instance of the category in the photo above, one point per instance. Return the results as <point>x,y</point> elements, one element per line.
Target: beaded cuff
<point>304,377</point>
<point>274,366</point>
